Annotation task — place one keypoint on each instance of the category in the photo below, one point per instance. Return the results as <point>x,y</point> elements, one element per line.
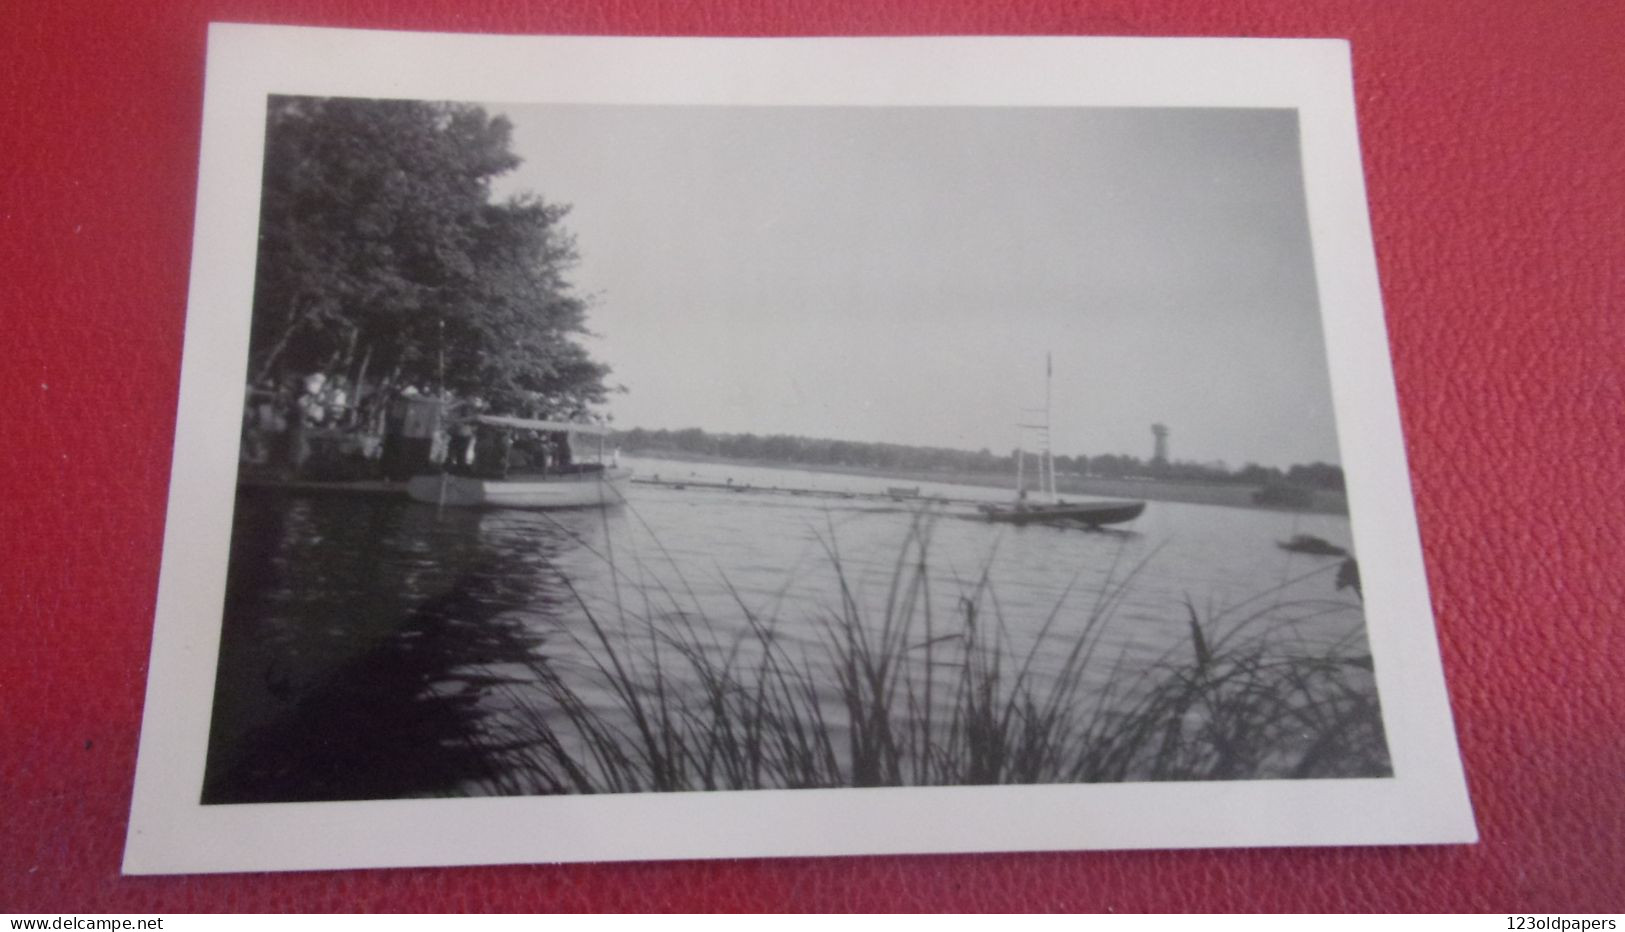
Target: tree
<point>1317,475</point>
<point>381,251</point>
<point>1254,474</point>
<point>509,333</point>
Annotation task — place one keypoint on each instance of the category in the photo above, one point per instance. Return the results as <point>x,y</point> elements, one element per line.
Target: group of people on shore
<point>315,427</point>
<point>287,423</point>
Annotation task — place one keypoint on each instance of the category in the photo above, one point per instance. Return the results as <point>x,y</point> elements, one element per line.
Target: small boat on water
<point>584,489</point>
<point>1044,506</point>
<point>544,485</point>
<point>1310,544</point>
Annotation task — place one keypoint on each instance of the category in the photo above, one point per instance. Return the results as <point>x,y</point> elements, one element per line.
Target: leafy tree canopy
<point>383,257</point>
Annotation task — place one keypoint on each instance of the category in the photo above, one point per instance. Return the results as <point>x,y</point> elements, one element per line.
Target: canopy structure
<point>519,423</point>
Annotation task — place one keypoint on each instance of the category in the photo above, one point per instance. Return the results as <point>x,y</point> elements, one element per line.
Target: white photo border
<point>172,832</point>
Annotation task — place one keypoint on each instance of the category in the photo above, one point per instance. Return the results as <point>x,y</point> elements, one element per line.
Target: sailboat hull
<point>1091,514</point>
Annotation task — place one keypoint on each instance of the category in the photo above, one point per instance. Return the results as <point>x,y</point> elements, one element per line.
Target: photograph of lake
<point>628,449</point>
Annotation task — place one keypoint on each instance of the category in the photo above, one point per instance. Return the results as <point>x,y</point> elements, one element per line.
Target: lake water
<point>378,648</point>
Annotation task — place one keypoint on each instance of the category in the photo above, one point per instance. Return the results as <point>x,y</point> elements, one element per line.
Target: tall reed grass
<point>930,689</point>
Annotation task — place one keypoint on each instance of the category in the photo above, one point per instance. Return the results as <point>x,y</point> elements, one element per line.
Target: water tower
<point>1159,451</point>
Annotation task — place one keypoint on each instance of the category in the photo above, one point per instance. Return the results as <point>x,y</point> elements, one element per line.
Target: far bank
<point>1230,495</point>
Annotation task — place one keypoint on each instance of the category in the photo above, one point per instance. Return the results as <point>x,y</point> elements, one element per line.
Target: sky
<point>900,274</point>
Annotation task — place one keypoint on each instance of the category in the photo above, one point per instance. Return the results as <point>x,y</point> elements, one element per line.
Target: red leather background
<point>1494,138</point>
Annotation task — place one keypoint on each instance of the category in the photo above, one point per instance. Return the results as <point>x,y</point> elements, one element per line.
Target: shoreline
<point>1193,493</point>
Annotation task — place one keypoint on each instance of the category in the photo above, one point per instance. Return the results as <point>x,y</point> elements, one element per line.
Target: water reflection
<point>357,642</point>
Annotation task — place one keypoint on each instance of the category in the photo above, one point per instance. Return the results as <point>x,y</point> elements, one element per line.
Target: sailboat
<point>1043,505</point>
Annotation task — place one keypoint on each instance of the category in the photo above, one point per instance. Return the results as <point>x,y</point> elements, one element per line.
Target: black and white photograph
<point>597,448</point>
<point>610,449</point>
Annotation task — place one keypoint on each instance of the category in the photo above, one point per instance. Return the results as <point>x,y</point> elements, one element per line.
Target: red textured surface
<point>1494,137</point>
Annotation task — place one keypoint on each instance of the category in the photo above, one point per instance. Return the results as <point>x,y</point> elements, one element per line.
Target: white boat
<point>586,489</point>
<point>587,485</point>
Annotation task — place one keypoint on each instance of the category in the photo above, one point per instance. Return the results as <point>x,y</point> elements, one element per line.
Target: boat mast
<point>1049,455</point>
<point>1021,461</point>
<point>439,410</point>
<point>1046,459</point>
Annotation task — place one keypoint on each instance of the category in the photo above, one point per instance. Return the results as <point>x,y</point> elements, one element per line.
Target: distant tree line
<point>810,451</point>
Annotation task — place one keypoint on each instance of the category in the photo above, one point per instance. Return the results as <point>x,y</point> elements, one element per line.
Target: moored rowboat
<point>1310,544</point>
